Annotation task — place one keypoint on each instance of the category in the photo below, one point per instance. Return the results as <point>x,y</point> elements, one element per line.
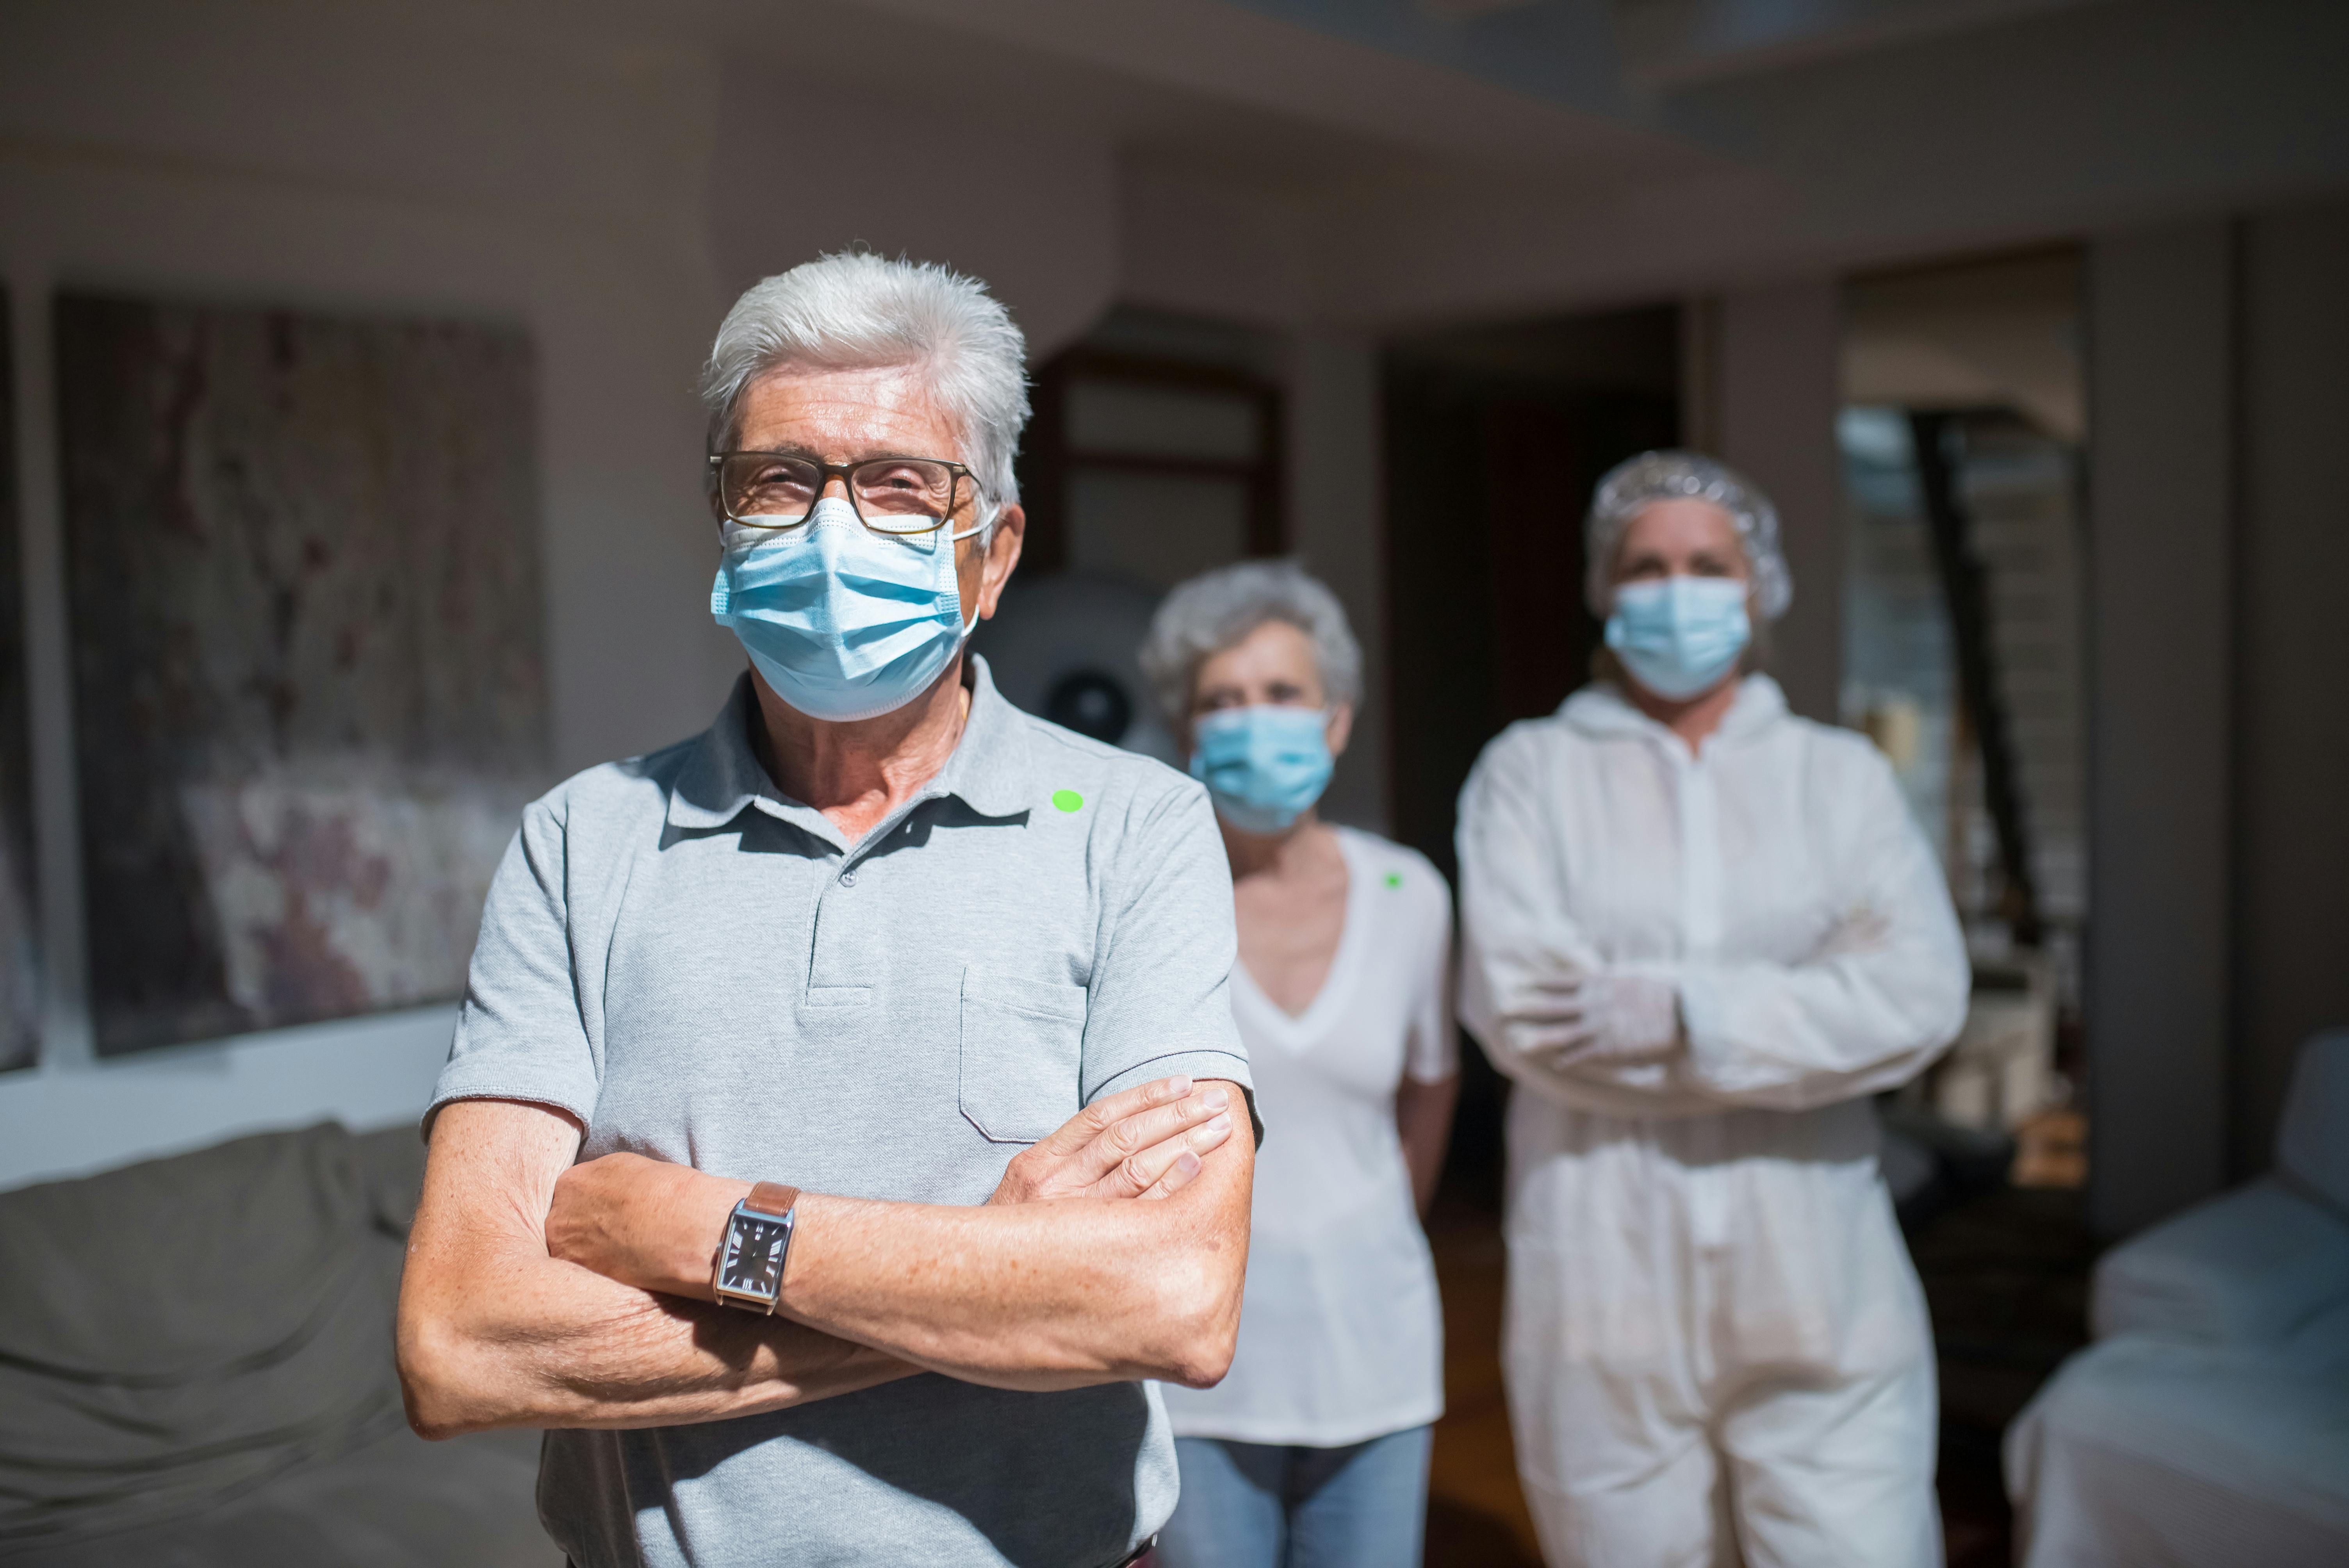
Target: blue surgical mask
<point>1678,637</point>
<point>1262,767</point>
<point>843,621</point>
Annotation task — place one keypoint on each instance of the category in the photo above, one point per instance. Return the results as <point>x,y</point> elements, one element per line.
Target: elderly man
<point>838,1128</point>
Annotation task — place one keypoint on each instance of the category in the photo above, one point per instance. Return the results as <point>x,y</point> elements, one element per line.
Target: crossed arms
<point>541,1292</point>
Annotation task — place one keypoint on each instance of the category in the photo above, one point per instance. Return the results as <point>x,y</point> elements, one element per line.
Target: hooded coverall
<point>1715,1345</point>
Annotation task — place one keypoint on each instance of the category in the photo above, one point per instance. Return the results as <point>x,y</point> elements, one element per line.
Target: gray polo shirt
<point>703,971</point>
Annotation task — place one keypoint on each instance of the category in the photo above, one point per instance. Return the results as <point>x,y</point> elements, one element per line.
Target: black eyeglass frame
<point>957,473</point>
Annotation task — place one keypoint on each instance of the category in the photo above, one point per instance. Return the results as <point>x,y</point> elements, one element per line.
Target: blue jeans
<point>1259,1505</point>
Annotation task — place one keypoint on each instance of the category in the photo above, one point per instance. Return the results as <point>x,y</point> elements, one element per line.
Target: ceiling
<point>1443,157</point>
<point>1385,163</point>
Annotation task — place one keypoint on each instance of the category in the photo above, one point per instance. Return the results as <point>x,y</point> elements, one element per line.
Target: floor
<point>2006,1278</point>
<point>1476,1518</point>
<point>2005,1275</point>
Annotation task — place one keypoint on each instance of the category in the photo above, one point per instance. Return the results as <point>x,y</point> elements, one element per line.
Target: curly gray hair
<point>1216,609</point>
<point>1632,486</point>
<point>856,310</point>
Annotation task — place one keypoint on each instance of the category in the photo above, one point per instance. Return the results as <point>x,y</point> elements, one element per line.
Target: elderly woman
<point>1700,931</point>
<point>1314,1450</point>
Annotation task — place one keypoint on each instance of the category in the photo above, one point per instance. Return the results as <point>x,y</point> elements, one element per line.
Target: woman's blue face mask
<point>1681,636</point>
<point>1263,766</point>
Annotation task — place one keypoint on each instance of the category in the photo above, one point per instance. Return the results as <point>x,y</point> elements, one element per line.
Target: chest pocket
<point>1022,1049</point>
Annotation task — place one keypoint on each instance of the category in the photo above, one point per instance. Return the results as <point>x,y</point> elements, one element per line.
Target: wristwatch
<point>749,1273</point>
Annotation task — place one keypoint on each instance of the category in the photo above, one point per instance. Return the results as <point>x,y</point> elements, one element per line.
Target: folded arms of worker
<point>1879,993</point>
<point>543,1294</point>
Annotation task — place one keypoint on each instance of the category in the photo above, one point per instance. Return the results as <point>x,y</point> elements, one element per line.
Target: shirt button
<point>848,879</point>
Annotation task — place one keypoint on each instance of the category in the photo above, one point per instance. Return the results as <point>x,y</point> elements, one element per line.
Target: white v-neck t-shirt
<point>1342,1333</point>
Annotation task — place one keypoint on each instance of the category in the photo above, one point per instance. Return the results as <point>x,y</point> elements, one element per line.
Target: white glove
<point>1599,1018</point>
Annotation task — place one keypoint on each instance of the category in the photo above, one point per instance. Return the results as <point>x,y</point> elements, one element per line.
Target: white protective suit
<point>1715,1341</point>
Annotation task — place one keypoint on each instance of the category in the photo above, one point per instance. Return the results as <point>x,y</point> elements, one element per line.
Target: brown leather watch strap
<point>772,1198</point>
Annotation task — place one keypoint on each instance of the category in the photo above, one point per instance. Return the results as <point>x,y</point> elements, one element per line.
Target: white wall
<point>2162,719</point>
<point>2219,740</point>
<point>1779,387</point>
<point>609,195</point>
<point>2292,782</point>
<point>1204,248</point>
<point>1032,211</point>
<point>1336,512</point>
<point>210,181</point>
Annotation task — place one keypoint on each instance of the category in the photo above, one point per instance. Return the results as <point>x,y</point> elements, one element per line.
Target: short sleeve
<point>1160,1000</point>
<point>520,1034</point>
<point>1431,1050</point>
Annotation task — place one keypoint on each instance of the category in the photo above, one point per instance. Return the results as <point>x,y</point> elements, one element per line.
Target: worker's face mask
<point>1678,637</point>
<point>843,621</point>
<point>1264,765</point>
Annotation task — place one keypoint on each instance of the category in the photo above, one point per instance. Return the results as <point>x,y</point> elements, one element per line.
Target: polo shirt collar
<point>987,770</point>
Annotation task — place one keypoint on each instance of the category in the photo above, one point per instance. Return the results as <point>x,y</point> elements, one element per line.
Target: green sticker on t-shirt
<point>1067,799</point>
<point>1395,879</point>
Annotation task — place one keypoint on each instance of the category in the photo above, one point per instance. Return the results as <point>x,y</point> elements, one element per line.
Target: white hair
<point>1217,609</point>
<point>859,311</point>
<point>1632,486</point>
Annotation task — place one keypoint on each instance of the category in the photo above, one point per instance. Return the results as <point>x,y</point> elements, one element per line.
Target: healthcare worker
<point>1313,1451</point>
<point>1699,931</point>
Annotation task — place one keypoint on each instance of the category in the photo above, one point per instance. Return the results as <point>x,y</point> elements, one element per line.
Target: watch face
<point>754,1257</point>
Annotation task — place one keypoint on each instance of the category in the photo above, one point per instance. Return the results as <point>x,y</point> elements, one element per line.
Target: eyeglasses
<point>891,495</point>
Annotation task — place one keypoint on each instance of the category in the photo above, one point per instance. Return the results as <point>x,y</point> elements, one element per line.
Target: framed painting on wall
<point>20,971</point>
<point>308,688</point>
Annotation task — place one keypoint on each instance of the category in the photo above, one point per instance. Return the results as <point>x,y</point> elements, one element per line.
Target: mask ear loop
<point>990,515</point>
<point>985,529</point>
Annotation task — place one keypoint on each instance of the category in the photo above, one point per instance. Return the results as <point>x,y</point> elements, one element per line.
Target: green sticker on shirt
<point>1067,799</point>
<point>1395,879</point>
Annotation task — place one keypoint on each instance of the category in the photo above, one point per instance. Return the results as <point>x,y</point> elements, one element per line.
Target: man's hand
<point>1143,1143</point>
<point>657,1225</point>
<point>645,1222</point>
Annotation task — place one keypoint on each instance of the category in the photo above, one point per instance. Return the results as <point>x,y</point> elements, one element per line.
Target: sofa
<point>2208,1424</point>
<point>196,1371</point>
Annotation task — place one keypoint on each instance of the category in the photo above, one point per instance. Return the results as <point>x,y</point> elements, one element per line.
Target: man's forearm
<point>592,1352</point>
<point>495,1333</point>
<point>1038,1296</point>
<point>1024,1294</point>
<point>1035,1295</point>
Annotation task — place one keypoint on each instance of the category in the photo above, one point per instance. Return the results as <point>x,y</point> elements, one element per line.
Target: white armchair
<point>2207,1427</point>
